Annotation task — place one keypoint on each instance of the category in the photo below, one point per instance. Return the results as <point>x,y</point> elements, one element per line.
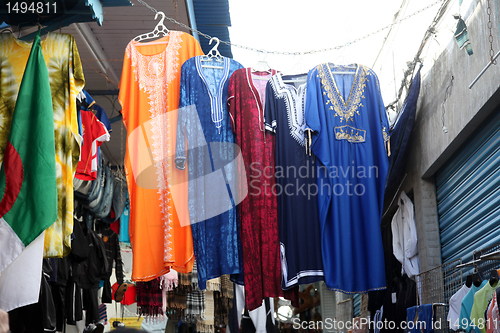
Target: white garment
<point>258,315</point>
<point>455,307</point>
<point>20,281</point>
<point>154,325</point>
<point>404,236</point>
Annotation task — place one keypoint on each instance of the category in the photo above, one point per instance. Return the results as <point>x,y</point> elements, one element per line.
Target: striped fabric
<point>103,314</point>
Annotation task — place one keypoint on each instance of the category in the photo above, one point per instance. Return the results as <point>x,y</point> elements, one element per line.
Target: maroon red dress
<point>258,211</point>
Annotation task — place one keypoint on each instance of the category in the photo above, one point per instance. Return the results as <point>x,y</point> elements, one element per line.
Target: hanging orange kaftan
<point>160,233</point>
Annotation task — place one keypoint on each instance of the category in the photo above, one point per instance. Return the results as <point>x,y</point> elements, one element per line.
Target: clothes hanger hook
<point>263,53</point>
<point>216,47</point>
<point>161,26</point>
<point>214,52</point>
<point>162,17</point>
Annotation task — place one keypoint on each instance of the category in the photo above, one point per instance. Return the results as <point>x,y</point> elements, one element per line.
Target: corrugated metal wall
<point>212,18</point>
<point>468,194</point>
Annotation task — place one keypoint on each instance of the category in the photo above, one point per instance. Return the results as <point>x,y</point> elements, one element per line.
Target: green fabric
<point>462,36</point>
<point>481,300</point>
<point>34,209</point>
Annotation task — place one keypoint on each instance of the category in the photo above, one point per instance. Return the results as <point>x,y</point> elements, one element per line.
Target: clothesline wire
<point>338,47</point>
<point>409,72</point>
<point>405,83</point>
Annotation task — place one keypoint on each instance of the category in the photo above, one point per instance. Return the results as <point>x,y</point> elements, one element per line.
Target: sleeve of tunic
<point>384,121</point>
<point>270,121</point>
<point>315,116</point>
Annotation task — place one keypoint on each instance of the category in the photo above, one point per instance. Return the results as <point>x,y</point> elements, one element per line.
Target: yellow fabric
<point>159,229</point>
<point>66,81</point>
<point>481,299</point>
<point>130,322</point>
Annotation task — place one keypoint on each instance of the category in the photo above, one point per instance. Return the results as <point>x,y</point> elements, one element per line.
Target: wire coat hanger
<point>159,29</point>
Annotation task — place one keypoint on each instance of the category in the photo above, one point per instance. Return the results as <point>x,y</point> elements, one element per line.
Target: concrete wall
<point>465,109</point>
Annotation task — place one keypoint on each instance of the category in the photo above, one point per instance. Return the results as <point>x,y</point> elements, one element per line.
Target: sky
<point>299,26</point>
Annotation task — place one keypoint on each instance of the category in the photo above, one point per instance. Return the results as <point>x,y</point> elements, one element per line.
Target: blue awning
<point>57,13</point>
<point>212,18</point>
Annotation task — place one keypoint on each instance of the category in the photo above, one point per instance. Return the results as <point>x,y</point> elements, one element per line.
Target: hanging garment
<point>210,153</point>
<point>455,304</point>
<point>404,236</point>
<point>481,300</point>
<point>400,295</point>
<point>94,134</point>
<point>400,140</point>
<point>113,254</point>
<point>149,298</point>
<point>258,211</point>
<point>66,77</point>
<point>207,325</point>
<point>466,307</point>
<point>124,223</point>
<point>422,317</point>
<point>349,123</point>
<point>149,90</point>
<point>492,323</point>
<point>299,228</point>
<point>103,118</point>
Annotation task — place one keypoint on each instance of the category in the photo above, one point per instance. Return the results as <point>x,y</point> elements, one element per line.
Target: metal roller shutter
<point>468,194</point>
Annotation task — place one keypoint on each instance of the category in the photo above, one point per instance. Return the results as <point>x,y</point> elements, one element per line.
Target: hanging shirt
<point>102,116</point>
<point>149,91</point>
<point>299,232</point>
<point>349,123</point>
<point>493,317</point>
<point>404,236</point>
<point>455,305</point>
<point>481,300</point>
<point>466,307</point>
<point>94,134</point>
<point>66,78</point>
<point>205,124</point>
<point>258,211</point>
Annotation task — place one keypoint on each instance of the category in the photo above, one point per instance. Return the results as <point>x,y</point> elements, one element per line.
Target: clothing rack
<point>484,259</point>
<point>436,286</point>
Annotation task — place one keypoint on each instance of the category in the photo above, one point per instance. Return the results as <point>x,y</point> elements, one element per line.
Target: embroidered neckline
<point>216,106</point>
<point>345,111</point>
<point>292,97</point>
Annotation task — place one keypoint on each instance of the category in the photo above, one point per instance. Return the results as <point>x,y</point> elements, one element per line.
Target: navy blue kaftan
<point>299,228</point>
<point>350,126</point>
<point>204,123</point>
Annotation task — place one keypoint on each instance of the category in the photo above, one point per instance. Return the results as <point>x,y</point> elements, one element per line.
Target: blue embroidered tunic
<point>204,123</point>
<point>347,115</point>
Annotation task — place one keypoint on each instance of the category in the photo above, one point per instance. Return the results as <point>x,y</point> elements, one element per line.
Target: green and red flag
<point>28,186</point>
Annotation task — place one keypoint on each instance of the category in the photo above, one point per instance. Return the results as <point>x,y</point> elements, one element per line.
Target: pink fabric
<point>168,282</point>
